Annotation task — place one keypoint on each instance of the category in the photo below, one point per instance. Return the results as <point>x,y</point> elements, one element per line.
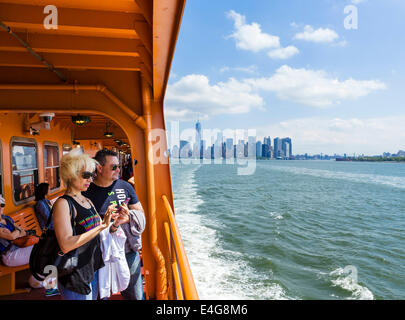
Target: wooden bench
<point>25,219</point>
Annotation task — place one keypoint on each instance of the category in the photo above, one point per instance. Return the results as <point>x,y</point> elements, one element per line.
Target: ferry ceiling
<point>94,57</point>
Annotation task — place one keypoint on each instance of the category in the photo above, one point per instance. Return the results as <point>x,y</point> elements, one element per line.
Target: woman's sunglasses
<point>2,205</point>
<point>88,175</point>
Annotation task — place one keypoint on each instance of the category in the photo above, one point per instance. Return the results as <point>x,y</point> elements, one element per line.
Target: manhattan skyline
<point>237,144</point>
<point>293,69</point>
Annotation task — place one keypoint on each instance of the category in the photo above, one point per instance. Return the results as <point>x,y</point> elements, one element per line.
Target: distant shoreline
<point>374,159</point>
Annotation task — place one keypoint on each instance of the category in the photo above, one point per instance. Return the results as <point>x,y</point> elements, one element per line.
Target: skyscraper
<point>184,149</point>
<point>286,148</point>
<point>259,149</point>
<point>266,149</point>
<point>278,152</point>
<point>229,153</point>
<point>251,147</point>
<point>198,148</point>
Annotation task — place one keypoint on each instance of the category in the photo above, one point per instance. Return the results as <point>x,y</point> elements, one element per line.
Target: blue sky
<point>292,68</point>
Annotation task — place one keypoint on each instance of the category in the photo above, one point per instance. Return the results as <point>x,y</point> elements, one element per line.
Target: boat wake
<point>219,274</point>
<point>347,281</point>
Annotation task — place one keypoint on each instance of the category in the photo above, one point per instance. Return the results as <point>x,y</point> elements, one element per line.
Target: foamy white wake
<point>392,181</point>
<point>216,276</point>
<point>345,280</point>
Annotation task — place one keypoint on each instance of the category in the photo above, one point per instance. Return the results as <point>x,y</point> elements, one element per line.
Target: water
<point>294,229</point>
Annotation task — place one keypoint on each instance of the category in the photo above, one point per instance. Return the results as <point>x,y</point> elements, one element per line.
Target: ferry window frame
<point>52,144</point>
<point>25,141</point>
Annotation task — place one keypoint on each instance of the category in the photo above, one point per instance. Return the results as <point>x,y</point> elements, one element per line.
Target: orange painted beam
<point>33,14</point>
<point>66,61</point>
<point>139,121</point>
<point>72,44</point>
<point>69,51</point>
<point>146,57</point>
<point>146,73</point>
<point>167,16</point>
<point>73,30</point>
<point>104,5</point>
<point>146,6</point>
<point>144,32</point>
<point>161,274</point>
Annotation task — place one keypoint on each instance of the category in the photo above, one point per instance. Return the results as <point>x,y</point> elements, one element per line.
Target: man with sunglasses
<point>106,189</point>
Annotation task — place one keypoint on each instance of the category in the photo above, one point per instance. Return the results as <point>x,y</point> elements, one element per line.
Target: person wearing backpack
<point>77,170</point>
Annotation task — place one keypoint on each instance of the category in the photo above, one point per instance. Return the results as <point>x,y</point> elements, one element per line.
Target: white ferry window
<point>51,164</point>
<point>66,148</point>
<point>25,169</point>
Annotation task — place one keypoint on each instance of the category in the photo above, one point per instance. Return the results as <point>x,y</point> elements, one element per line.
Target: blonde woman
<point>77,170</point>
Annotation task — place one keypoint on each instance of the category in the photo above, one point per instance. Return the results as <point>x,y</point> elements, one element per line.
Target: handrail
<point>190,291</point>
<point>175,268</point>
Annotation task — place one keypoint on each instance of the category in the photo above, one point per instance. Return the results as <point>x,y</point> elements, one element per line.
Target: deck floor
<point>37,294</point>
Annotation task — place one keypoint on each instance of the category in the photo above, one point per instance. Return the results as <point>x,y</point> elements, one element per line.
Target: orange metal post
<point>161,279</point>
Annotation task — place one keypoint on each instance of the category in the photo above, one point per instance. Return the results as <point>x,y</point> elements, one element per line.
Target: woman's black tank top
<point>90,256</point>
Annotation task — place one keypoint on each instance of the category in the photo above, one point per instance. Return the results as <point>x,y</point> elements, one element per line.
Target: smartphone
<point>120,207</point>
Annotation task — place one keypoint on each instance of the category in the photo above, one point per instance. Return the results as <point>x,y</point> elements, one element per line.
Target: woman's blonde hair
<point>73,163</point>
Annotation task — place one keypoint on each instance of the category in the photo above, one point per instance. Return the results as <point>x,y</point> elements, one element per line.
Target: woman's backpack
<point>48,253</point>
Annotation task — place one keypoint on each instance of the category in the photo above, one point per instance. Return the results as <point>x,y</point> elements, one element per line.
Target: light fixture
<point>80,120</point>
<point>107,133</point>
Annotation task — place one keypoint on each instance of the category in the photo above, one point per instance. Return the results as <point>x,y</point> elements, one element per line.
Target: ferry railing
<point>182,277</point>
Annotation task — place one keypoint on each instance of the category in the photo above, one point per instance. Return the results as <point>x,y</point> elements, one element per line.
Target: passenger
<point>127,170</point>
<point>132,181</point>
<point>11,255</point>
<point>43,206</point>
<point>107,189</point>
<point>43,209</point>
<point>76,170</point>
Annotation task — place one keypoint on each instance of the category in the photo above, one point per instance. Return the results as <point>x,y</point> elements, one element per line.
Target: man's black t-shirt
<point>117,193</point>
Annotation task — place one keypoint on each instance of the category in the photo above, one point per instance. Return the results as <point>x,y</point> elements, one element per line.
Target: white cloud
<point>314,88</point>
<point>283,53</point>
<point>321,35</point>
<point>193,94</point>
<point>250,36</point>
<point>370,136</point>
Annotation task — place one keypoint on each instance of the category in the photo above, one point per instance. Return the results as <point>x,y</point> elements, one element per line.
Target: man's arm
<point>136,206</point>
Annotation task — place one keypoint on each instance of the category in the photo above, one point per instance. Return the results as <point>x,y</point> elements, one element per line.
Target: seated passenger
<point>11,255</point>
<point>43,206</point>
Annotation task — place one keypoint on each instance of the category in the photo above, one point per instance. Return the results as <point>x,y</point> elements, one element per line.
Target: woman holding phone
<point>77,171</point>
